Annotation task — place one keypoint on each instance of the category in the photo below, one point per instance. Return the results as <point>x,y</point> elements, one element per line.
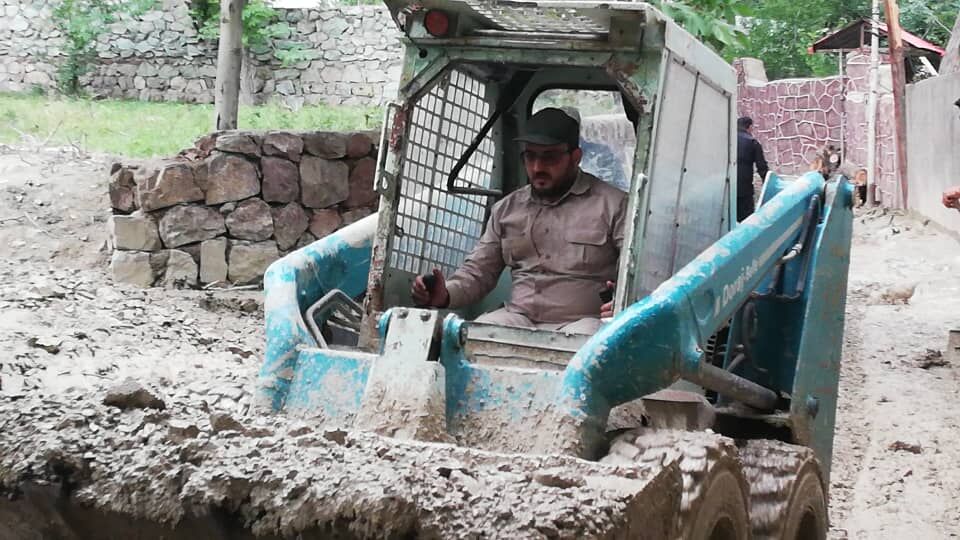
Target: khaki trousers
<point>588,326</point>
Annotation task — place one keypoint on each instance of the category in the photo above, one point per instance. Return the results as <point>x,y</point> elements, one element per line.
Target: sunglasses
<point>551,157</point>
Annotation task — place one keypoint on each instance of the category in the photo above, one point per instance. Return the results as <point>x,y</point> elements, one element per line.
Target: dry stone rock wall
<point>222,211</point>
<point>353,56</point>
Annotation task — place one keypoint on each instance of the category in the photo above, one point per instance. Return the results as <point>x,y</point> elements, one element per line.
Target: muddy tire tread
<point>772,468</point>
<point>698,453</point>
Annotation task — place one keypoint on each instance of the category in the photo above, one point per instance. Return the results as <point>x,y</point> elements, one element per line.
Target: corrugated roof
<point>857,34</point>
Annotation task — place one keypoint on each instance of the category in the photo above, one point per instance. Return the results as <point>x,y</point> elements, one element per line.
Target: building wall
<point>933,137</point>
<point>354,55</point>
<point>794,118</point>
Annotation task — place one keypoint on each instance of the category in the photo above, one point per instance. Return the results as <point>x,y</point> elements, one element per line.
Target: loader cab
<point>657,120</point>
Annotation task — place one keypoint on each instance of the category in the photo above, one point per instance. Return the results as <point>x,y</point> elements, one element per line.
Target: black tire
<point>787,495</point>
<point>714,501</point>
<point>722,513</point>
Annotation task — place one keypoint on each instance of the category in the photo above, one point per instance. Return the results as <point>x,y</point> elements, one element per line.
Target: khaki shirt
<point>560,254</point>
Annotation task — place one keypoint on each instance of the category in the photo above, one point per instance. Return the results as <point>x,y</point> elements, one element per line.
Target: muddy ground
<point>67,333</point>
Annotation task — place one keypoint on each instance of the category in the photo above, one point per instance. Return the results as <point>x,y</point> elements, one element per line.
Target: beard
<point>553,190</point>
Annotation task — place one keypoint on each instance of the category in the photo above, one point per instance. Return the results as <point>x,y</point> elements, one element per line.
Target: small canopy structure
<point>856,35</point>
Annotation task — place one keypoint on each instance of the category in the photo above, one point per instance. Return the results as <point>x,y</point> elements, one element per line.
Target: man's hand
<point>951,197</point>
<point>434,296</point>
<point>606,310</point>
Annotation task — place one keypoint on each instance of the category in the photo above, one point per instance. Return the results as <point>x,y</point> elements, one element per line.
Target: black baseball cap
<point>551,126</point>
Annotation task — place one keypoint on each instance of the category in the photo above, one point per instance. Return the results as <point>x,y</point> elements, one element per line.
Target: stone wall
<point>795,118</point>
<point>354,56</point>
<point>222,211</point>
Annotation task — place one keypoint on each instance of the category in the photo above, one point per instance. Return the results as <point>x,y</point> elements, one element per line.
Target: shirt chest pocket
<point>588,249</point>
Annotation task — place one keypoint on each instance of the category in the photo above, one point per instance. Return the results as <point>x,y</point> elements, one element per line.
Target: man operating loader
<point>560,235</point>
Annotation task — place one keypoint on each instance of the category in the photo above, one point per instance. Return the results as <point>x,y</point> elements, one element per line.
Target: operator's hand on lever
<point>606,310</point>
<point>951,197</point>
<point>430,290</point>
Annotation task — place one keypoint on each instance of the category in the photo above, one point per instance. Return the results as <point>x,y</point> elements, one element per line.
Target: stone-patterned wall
<point>354,56</point>
<point>795,118</point>
<point>222,211</point>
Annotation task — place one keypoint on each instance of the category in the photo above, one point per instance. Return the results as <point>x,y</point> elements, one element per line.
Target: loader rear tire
<point>787,496</point>
<point>714,502</point>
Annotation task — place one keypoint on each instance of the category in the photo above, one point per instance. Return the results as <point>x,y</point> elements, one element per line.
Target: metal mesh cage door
<point>435,228</point>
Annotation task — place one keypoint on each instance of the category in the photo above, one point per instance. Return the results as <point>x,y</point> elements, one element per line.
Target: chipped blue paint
<point>293,283</point>
<point>329,384</point>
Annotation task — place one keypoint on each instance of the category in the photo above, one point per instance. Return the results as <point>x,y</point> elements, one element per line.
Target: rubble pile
<point>222,211</point>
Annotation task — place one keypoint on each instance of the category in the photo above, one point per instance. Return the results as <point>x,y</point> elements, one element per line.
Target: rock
<point>289,223</point>
<point>205,145</point>
<point>227,208</point>
<point>284,144</point>
<point>305,240</point>
<point>123,191</point>
<point>181,269</point>
<point>281,180</point>
<point>899,294</point>
<point>932,358</point>
<point>323,183</point>
<point>134,232</point>
<point>355,215</point>
<point>172,184</point>
<point>248,260</point>
<point>361,184</point>
<point>51,345</point>
<point>188,224</point>
<point>251,221</point>
<point>193,250</point>
<point>328,145</point>
<point>213,260</point>
<point>359,145</point>
<point>231,178</point>
<point>901,446</point>
<point>557,478</point>
<point>180,430</point>
<point>324,222</point>
<point>131,395</point>
<point>132,267</point>
<point>224,422</point>
<point>239,143</point>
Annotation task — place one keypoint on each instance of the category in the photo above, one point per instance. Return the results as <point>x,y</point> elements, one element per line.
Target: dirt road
<point>68,330</point>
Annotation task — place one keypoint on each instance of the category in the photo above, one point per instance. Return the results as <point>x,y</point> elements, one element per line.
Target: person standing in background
<point>749,155</point>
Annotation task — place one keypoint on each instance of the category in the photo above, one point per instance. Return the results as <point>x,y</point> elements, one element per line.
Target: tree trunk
<point>951,59</point>
<point>229,62</point>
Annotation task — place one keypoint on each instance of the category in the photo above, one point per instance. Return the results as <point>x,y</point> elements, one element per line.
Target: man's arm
<point>478,275</point>
<point>760,161</point>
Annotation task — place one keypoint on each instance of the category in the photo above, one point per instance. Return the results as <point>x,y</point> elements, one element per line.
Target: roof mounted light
<point>437,23</point>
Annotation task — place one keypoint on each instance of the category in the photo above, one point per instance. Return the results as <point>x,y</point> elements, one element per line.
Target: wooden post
<point>229,62</point>
<point>872,105</point>
<point>895,39</point>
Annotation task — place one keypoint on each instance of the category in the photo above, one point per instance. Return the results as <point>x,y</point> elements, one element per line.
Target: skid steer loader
<point>721,363</point>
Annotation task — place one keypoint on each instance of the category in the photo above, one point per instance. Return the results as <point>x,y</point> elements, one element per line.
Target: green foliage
<point>81,22</point>
<point>711,21</point>
<point>931,20</point>
<point>143,129</point>
<point>780,31</point>
<point>262,28</point>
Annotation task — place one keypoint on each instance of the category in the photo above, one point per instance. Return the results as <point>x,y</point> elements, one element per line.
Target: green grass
<point>142,129</point>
